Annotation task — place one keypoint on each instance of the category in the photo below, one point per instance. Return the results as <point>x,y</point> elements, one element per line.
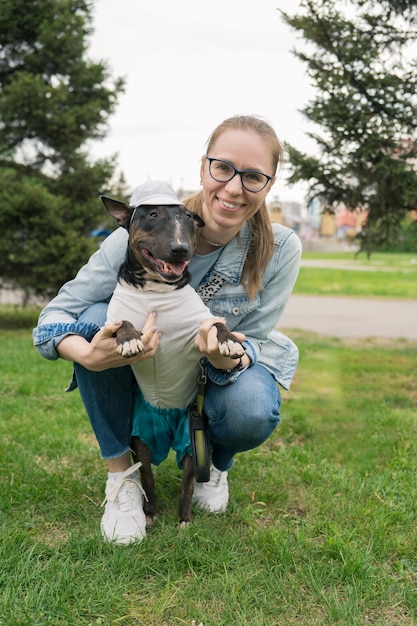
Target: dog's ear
<point>198,220</point>
<point>121,211</point>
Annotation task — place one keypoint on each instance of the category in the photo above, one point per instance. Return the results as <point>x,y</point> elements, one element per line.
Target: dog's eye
<point>188,216</point>
<point>153,214</point>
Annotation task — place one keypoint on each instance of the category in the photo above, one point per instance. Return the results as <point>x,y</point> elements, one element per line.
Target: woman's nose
<point>234,185</point>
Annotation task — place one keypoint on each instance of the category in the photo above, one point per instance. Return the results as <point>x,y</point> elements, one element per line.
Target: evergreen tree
<point>52,101</point>
<point>359,57</point>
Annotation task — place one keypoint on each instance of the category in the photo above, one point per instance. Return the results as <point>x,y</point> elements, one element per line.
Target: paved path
<point>337,317</point>
<point>352,317</point>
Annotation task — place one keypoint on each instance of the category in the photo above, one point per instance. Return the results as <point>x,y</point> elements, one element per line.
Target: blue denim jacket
<point>257,318</point>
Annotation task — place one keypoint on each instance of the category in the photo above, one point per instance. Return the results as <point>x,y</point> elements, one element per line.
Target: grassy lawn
<point>321,524</point>
<point>382,276</point>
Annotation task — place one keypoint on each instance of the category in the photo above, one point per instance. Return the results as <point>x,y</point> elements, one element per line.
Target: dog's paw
<point>183,524</point>
<point>231,348</point>
<point>228,344</point>
<point>150,520</point>
<point>128,340</point>
<point>130,348</point>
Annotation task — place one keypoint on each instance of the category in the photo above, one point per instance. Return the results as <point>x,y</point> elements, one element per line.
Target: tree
<point>53,100</point>
<point>360,61</point>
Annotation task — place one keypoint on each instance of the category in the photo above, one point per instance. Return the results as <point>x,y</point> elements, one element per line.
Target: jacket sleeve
<point>95,282</point>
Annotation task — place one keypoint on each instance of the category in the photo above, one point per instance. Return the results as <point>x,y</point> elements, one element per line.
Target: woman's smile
<point>229,205</point>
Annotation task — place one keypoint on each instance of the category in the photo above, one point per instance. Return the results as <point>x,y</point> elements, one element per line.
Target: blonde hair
<point>262,245</point>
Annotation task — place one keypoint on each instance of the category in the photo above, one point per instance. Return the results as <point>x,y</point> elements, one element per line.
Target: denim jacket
<point>257,318</point>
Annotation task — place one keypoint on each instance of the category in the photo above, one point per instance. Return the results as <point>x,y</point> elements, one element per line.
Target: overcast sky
<point>188,65</point>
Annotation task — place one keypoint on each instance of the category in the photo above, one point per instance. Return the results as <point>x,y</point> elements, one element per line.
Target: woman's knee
<point>254,392</point>
<point>247,410</point>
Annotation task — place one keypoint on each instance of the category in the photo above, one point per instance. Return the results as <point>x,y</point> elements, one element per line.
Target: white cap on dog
<point>154,192</point>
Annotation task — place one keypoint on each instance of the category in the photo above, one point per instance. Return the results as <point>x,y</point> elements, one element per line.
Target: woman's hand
<point>101,353</point>
<point>206,341</point>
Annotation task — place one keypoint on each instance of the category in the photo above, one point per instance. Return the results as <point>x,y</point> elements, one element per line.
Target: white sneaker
<point>124,521</point>
<point>212,496</point>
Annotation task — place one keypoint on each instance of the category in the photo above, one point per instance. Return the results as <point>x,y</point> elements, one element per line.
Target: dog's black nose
<point>179,250</point>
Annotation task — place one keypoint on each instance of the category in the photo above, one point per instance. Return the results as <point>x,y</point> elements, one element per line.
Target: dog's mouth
<point>166,269</point>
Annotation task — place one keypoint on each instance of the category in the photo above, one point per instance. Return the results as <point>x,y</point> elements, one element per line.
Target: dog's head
<point>162,238</point>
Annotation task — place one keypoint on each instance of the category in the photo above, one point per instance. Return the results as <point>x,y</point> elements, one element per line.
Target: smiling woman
<point>225,205</point>
<point>246,268</point>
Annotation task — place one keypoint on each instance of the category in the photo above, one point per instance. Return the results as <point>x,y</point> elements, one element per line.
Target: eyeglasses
<point>223,171</point>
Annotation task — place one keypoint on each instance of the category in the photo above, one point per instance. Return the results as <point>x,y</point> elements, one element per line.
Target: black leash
<point>197,422</point>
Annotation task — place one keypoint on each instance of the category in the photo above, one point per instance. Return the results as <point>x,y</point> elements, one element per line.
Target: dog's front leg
<point>186,493</point>
<point>142,453</point>
<point>128,340</point>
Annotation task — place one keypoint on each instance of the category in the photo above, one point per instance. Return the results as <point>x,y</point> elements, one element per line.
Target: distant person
<point>244,269</point>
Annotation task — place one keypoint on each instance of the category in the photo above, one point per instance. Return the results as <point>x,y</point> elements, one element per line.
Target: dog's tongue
<point>173,268</point>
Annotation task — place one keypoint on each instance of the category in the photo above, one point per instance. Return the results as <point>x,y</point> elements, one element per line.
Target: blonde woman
<point>244,268</point>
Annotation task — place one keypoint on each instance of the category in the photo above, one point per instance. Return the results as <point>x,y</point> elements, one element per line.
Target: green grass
<point>320,529</point>
<point>384,275</point>
<point>377,259</point>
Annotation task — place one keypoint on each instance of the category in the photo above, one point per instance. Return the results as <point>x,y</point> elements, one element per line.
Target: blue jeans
<point>241,415</point>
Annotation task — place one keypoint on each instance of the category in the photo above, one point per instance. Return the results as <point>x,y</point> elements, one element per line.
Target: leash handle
<point>198,432</point>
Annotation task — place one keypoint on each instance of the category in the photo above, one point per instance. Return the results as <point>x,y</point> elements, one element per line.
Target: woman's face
<point>229,205</point>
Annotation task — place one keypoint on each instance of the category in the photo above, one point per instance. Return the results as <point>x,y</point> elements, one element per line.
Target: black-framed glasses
<point>223,171</point>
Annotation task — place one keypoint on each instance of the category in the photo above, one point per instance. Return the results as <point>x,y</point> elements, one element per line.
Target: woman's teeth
<point>229,205</point>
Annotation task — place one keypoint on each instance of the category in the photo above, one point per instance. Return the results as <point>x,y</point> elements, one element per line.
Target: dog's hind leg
<point>142,453</point>
<point>186,493</point>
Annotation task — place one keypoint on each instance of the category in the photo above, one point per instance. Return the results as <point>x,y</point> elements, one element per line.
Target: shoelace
<point>116,485</point>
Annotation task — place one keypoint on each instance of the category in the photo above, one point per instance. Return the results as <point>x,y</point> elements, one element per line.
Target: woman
<point>244,269</point>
